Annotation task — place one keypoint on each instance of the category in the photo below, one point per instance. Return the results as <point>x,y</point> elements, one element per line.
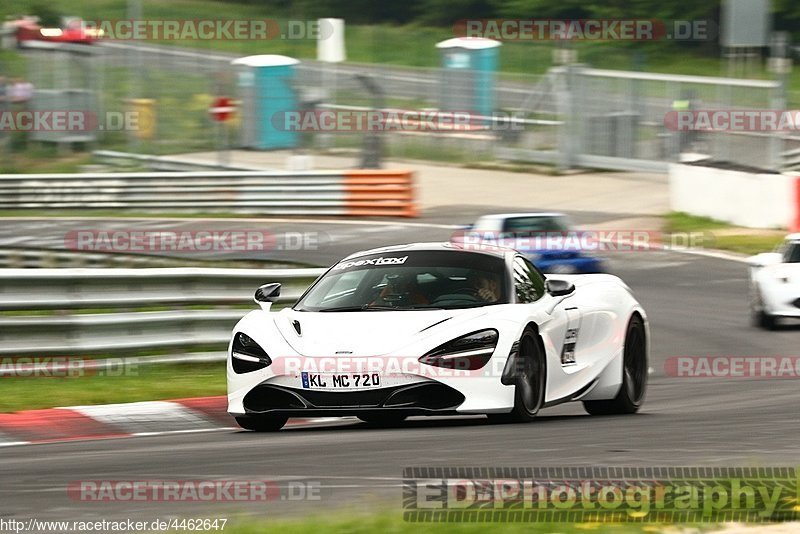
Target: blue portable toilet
<point>267,93</point>
<point>467,82</point>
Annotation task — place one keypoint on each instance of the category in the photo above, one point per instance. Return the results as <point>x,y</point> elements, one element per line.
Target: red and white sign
<point>222,109</point>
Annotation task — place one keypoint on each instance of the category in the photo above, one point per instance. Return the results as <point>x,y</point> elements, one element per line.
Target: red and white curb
<point>151,418</point>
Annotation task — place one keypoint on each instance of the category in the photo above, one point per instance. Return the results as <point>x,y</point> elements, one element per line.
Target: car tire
<point>530,380</point>
<point>262,423</point>
<point>759,317</point>
<point>764,320</point>
<point>382,420</point>
<point>634,375</point>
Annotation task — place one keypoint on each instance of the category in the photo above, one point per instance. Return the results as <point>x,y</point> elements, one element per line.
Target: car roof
<point>491,250</point>
<point>793,237</point>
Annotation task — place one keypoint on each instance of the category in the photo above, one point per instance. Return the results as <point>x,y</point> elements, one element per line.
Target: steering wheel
<point>471,291</point>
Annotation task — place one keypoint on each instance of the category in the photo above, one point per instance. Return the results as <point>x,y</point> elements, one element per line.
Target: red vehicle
<point>72,30</point>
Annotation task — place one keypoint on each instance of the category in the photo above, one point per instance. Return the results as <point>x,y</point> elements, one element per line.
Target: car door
<point>559,328</point>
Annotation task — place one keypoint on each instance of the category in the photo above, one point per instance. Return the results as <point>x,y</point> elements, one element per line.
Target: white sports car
<point>438,329</point>
<point>775,283</point>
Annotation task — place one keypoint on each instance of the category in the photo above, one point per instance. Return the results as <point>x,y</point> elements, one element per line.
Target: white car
<point>775,283</point>
<point>438,329</point>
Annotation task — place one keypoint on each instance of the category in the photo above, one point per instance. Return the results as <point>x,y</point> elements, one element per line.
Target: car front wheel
<point>529,381</point>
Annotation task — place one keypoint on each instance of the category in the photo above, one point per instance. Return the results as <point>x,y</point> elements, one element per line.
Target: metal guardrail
<point>159,163</point>
<point>34,258</point>
<point>354,193</point>
<point>44,258</point>
<point>161,311</point>
<point>791,160</point>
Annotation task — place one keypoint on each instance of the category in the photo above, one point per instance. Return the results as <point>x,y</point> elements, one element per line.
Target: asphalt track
<point>697,306</point>
<point>329,239</point>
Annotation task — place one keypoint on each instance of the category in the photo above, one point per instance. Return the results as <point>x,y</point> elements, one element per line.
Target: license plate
<point>348,381</point>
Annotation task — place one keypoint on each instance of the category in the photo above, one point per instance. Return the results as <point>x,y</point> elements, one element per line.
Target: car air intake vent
<point>430,396</point>
<point>264,398</point>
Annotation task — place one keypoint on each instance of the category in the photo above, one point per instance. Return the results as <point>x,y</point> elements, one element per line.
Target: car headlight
<point>247,356</point>
<point>469,352</point>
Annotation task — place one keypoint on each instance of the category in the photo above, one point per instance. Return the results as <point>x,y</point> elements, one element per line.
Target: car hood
<point>362,333</point>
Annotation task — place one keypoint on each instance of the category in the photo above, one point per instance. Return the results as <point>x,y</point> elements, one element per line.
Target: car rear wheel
<point>529,381</point>
<point>634,375</point>
<point>262,423</point>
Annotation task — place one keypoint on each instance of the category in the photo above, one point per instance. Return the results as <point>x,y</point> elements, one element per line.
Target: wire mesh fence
<point>567,116</point>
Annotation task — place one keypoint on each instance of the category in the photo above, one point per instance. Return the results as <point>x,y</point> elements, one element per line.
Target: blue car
<point>545,238</point>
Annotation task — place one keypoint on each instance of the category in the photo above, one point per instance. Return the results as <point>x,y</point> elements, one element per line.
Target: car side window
<point>792,253</point>
<point>528,281</point>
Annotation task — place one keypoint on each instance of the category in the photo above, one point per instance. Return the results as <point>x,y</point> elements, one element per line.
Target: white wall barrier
<point>752,200</point>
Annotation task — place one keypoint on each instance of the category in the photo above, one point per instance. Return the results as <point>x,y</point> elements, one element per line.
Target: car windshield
<point>791,252</point>
<point>530,225</point>
<point>413,280</point>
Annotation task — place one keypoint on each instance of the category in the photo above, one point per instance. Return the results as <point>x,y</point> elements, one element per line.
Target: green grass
<point>142,383</point>
<point>42,159</point>
<point>723,235</point>
<point>392,523</point>
<point>678,221</point>
<point>748,244</point>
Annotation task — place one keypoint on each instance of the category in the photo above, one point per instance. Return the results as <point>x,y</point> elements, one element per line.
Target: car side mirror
<point>266,295</point>
<point>559,288</point>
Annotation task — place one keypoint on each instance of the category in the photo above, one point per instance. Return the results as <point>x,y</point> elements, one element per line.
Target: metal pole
<point>134,14</point>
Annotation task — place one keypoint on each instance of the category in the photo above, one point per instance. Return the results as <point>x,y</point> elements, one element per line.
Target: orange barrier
<point>796,205</point>
<point>371,193</point>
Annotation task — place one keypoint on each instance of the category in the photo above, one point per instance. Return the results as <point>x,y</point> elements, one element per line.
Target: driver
<point>486,286</point>
<point>404,286</point>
